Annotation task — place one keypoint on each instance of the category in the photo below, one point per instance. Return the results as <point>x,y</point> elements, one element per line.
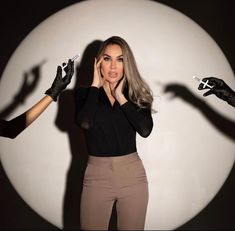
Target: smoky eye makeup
<point>120,59</point>
<point>106,58</point>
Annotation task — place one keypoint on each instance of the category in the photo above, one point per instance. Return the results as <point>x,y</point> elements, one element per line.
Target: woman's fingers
<point>99,62</point>
<point>97,79</point>
<point>120,84</point>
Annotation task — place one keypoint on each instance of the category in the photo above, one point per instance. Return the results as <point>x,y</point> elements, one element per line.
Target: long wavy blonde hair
<point>138,90</point>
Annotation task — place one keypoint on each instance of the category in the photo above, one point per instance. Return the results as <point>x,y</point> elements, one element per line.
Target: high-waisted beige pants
<point>109,179</point>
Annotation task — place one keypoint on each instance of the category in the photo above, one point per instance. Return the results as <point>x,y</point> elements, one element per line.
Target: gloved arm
<point>14,127</point>
<point>59,83</point>
<point>220,89</point>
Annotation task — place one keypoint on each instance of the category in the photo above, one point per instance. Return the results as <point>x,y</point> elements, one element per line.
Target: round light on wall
<point>187,158</point>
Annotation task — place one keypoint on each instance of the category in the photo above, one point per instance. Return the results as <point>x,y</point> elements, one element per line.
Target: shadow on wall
<point>223,198</point>
<point>65,121</point>
<point>223,125</point>
<point>29,84</point>
<point>12,203</point>
<point>18,124</point>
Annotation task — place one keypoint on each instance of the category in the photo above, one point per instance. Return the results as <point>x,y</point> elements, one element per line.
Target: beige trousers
<point>109,179</point>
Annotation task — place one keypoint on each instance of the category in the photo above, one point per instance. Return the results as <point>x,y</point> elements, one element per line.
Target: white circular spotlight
<point>187,158</point>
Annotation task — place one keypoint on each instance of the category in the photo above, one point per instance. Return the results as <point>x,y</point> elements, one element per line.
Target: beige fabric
<point>109,179</point>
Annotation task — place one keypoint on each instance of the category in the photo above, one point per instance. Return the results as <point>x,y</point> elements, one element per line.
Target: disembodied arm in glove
<point>220,89</point>
<point>15,126</point>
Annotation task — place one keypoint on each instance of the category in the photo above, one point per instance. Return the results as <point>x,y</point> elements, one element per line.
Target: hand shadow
<point>65,121</point>
<point>13,127</point>
<point>29,84</point>
<point>222,124</point>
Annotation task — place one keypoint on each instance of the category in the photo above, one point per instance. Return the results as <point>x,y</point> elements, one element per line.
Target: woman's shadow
<point>65,121</point>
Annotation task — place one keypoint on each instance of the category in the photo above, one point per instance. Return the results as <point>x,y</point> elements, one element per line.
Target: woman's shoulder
<point>82,89</point>
<point>81,92</point>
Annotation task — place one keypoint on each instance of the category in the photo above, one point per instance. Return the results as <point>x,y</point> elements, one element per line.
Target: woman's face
<point>112,67</point>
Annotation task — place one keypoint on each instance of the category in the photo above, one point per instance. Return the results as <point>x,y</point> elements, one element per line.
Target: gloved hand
<point>59,83</point>
<point>220,89</point>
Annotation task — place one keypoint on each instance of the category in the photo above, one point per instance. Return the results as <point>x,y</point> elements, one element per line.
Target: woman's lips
<point>113,74</point>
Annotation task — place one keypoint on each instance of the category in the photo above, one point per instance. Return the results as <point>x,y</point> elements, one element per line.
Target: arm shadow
<point>15,126</point>
<point>222,124</point>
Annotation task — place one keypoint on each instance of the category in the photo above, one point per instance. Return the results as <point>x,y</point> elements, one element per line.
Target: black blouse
<point>110,130</point>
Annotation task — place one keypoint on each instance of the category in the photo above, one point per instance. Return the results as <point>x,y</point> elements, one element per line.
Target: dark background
<point>18,18</point>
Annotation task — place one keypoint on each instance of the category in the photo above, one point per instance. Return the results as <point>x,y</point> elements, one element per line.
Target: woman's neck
<point>109,87</point>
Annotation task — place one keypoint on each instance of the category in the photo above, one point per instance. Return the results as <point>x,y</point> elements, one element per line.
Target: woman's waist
<point>111,159</point>
<point>107,149</point>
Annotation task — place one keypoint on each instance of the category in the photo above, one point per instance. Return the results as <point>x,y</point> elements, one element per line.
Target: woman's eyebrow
<point>110,56</point>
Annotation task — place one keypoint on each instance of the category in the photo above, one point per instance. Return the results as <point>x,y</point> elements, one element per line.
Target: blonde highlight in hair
<point>139,91</point>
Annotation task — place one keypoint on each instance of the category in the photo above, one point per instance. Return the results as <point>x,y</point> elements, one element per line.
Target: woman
<point>116,106</point>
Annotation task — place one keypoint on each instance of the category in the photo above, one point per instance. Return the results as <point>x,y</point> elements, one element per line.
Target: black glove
<point>59,83</point>
<point>220,89</point>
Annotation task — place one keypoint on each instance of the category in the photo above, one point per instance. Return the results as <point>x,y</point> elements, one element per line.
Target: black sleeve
<point>86,106</point>
<point>231,101</point>
<point>11,129</point>
<point>3,128</point>
<point>140,119</point>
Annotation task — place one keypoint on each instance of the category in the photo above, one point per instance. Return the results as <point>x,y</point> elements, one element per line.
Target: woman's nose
<point>113,64</point>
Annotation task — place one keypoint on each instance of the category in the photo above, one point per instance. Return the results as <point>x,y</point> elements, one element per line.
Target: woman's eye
<point>106,58</point>
<point>120,59</point>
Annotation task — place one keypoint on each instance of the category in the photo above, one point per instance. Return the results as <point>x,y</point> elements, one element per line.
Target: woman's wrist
<point>95,85</point>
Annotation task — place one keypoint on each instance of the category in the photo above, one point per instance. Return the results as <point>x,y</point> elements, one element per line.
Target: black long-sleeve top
<point>110,130</point>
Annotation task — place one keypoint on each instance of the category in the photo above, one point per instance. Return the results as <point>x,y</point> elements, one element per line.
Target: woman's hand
<point>97,78</point>
<point>117,92</point>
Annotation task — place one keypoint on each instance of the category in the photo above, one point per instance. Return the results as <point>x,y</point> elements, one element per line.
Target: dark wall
<point>18,18</point>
